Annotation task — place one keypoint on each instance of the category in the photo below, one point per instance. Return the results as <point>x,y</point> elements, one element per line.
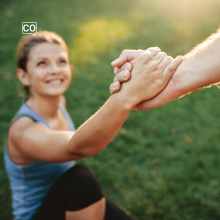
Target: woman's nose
<point>54,69</point>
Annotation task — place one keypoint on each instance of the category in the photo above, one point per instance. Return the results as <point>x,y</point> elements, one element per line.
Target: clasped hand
<point>146,73</point>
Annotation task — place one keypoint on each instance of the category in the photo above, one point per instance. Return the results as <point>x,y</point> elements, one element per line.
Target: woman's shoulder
<point>20,125</point>
<point>19,135</point>
<point>24,126</point>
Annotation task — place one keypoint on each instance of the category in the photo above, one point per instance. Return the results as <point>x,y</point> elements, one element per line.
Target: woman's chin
<point>55,92</point>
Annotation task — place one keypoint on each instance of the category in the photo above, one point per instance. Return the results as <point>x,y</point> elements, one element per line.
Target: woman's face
<point>48,69</point>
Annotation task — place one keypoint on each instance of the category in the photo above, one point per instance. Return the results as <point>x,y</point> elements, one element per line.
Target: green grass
<point>164,163</point>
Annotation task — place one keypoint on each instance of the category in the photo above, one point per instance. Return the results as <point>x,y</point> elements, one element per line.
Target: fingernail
<point>179,57</point>
<point>126,65</point>
<point>115,70</point>
<point>114,62</point>
<point>114,86</point>
<point>125,75</point>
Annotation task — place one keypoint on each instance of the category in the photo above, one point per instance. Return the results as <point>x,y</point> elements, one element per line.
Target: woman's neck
<point>45,106</point>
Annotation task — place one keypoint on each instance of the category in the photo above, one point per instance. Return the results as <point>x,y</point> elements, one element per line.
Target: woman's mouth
<point>54,81</point>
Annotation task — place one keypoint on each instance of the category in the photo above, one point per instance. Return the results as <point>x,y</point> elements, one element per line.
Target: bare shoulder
<point>18,127</point>
<point>30,141</point>
<point>23,129</point>
<point>21,126</point>
<point>19,132</point>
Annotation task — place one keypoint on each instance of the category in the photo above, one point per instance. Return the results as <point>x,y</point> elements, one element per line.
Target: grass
<point>164,163</point>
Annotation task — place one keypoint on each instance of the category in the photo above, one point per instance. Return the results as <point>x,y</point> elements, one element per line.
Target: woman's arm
<point>100,129</point>
<point>37,142</point>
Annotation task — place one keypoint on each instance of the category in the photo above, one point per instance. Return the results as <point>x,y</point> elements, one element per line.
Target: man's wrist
<point>184,79</point>
<point>200,68</point>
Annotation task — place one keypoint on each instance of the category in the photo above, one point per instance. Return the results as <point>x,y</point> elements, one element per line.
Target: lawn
<point>164,163</point>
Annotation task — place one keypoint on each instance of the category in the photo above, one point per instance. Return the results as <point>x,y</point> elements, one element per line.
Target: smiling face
<point>48,70</point>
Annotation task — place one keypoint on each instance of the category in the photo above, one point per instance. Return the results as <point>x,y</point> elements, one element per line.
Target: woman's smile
<point>54,81</point>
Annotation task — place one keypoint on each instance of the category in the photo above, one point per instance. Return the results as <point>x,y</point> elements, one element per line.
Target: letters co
<point>29,28</point>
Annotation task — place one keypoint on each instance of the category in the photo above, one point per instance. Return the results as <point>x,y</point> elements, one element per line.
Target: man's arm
<point>200,68</point>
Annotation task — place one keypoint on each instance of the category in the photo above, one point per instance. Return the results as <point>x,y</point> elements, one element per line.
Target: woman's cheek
<point>68,75</point>
<point>42,74</point>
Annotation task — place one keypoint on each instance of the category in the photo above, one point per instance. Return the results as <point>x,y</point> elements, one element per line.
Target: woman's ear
<point>23,76</point>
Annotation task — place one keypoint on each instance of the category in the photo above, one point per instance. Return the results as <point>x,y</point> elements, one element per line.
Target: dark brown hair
<point>28,41</point>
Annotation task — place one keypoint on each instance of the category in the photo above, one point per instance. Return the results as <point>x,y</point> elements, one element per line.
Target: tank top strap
<point>25,110</point>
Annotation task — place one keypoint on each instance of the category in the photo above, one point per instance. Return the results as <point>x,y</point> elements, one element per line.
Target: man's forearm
<point>200,68</point>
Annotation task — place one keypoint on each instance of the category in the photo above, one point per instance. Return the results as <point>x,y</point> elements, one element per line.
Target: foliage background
<point>164,163</point>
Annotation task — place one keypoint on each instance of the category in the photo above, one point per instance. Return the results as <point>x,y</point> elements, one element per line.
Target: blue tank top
<point>30,183</point>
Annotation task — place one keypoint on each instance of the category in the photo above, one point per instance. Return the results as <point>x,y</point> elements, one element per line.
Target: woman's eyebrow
<point>62,57</point>
<point>41,58</point>
<point>46,58</point>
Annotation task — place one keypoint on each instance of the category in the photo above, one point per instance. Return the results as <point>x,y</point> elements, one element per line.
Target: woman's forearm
<point>100,129</point>
<point>200,68</point>
<point>150,75</point>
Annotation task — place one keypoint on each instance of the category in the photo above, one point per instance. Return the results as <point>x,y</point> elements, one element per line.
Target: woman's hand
<point>151,72</point>
<point>123,72</point>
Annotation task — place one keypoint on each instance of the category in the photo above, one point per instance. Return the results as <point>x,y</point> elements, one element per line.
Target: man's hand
<point>200,69</point>
<point>166,95</point>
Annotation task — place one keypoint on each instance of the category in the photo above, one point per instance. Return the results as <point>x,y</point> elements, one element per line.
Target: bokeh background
<point>164,163</point>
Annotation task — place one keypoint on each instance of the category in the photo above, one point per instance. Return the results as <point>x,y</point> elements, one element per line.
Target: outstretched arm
<point>199,69</point>
<point>149,77</point>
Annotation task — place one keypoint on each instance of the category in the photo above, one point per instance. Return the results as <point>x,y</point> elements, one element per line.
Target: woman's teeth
<point>55,82</point>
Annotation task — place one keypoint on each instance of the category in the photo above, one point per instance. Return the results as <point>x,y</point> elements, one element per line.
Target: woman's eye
<point>41,63</point>
<point>63,61</point>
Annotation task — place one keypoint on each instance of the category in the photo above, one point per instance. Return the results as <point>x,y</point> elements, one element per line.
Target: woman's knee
<point>81,178</point>
<point>87,178</point>
<point>80,173</point>
<point>85,189</point>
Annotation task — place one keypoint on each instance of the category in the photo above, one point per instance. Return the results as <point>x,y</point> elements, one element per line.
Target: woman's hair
<point>28,41</point>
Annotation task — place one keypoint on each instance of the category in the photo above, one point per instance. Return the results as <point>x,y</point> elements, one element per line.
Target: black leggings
<point>76,189</point>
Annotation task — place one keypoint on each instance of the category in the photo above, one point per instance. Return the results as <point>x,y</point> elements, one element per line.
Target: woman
<point>42,143</point>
